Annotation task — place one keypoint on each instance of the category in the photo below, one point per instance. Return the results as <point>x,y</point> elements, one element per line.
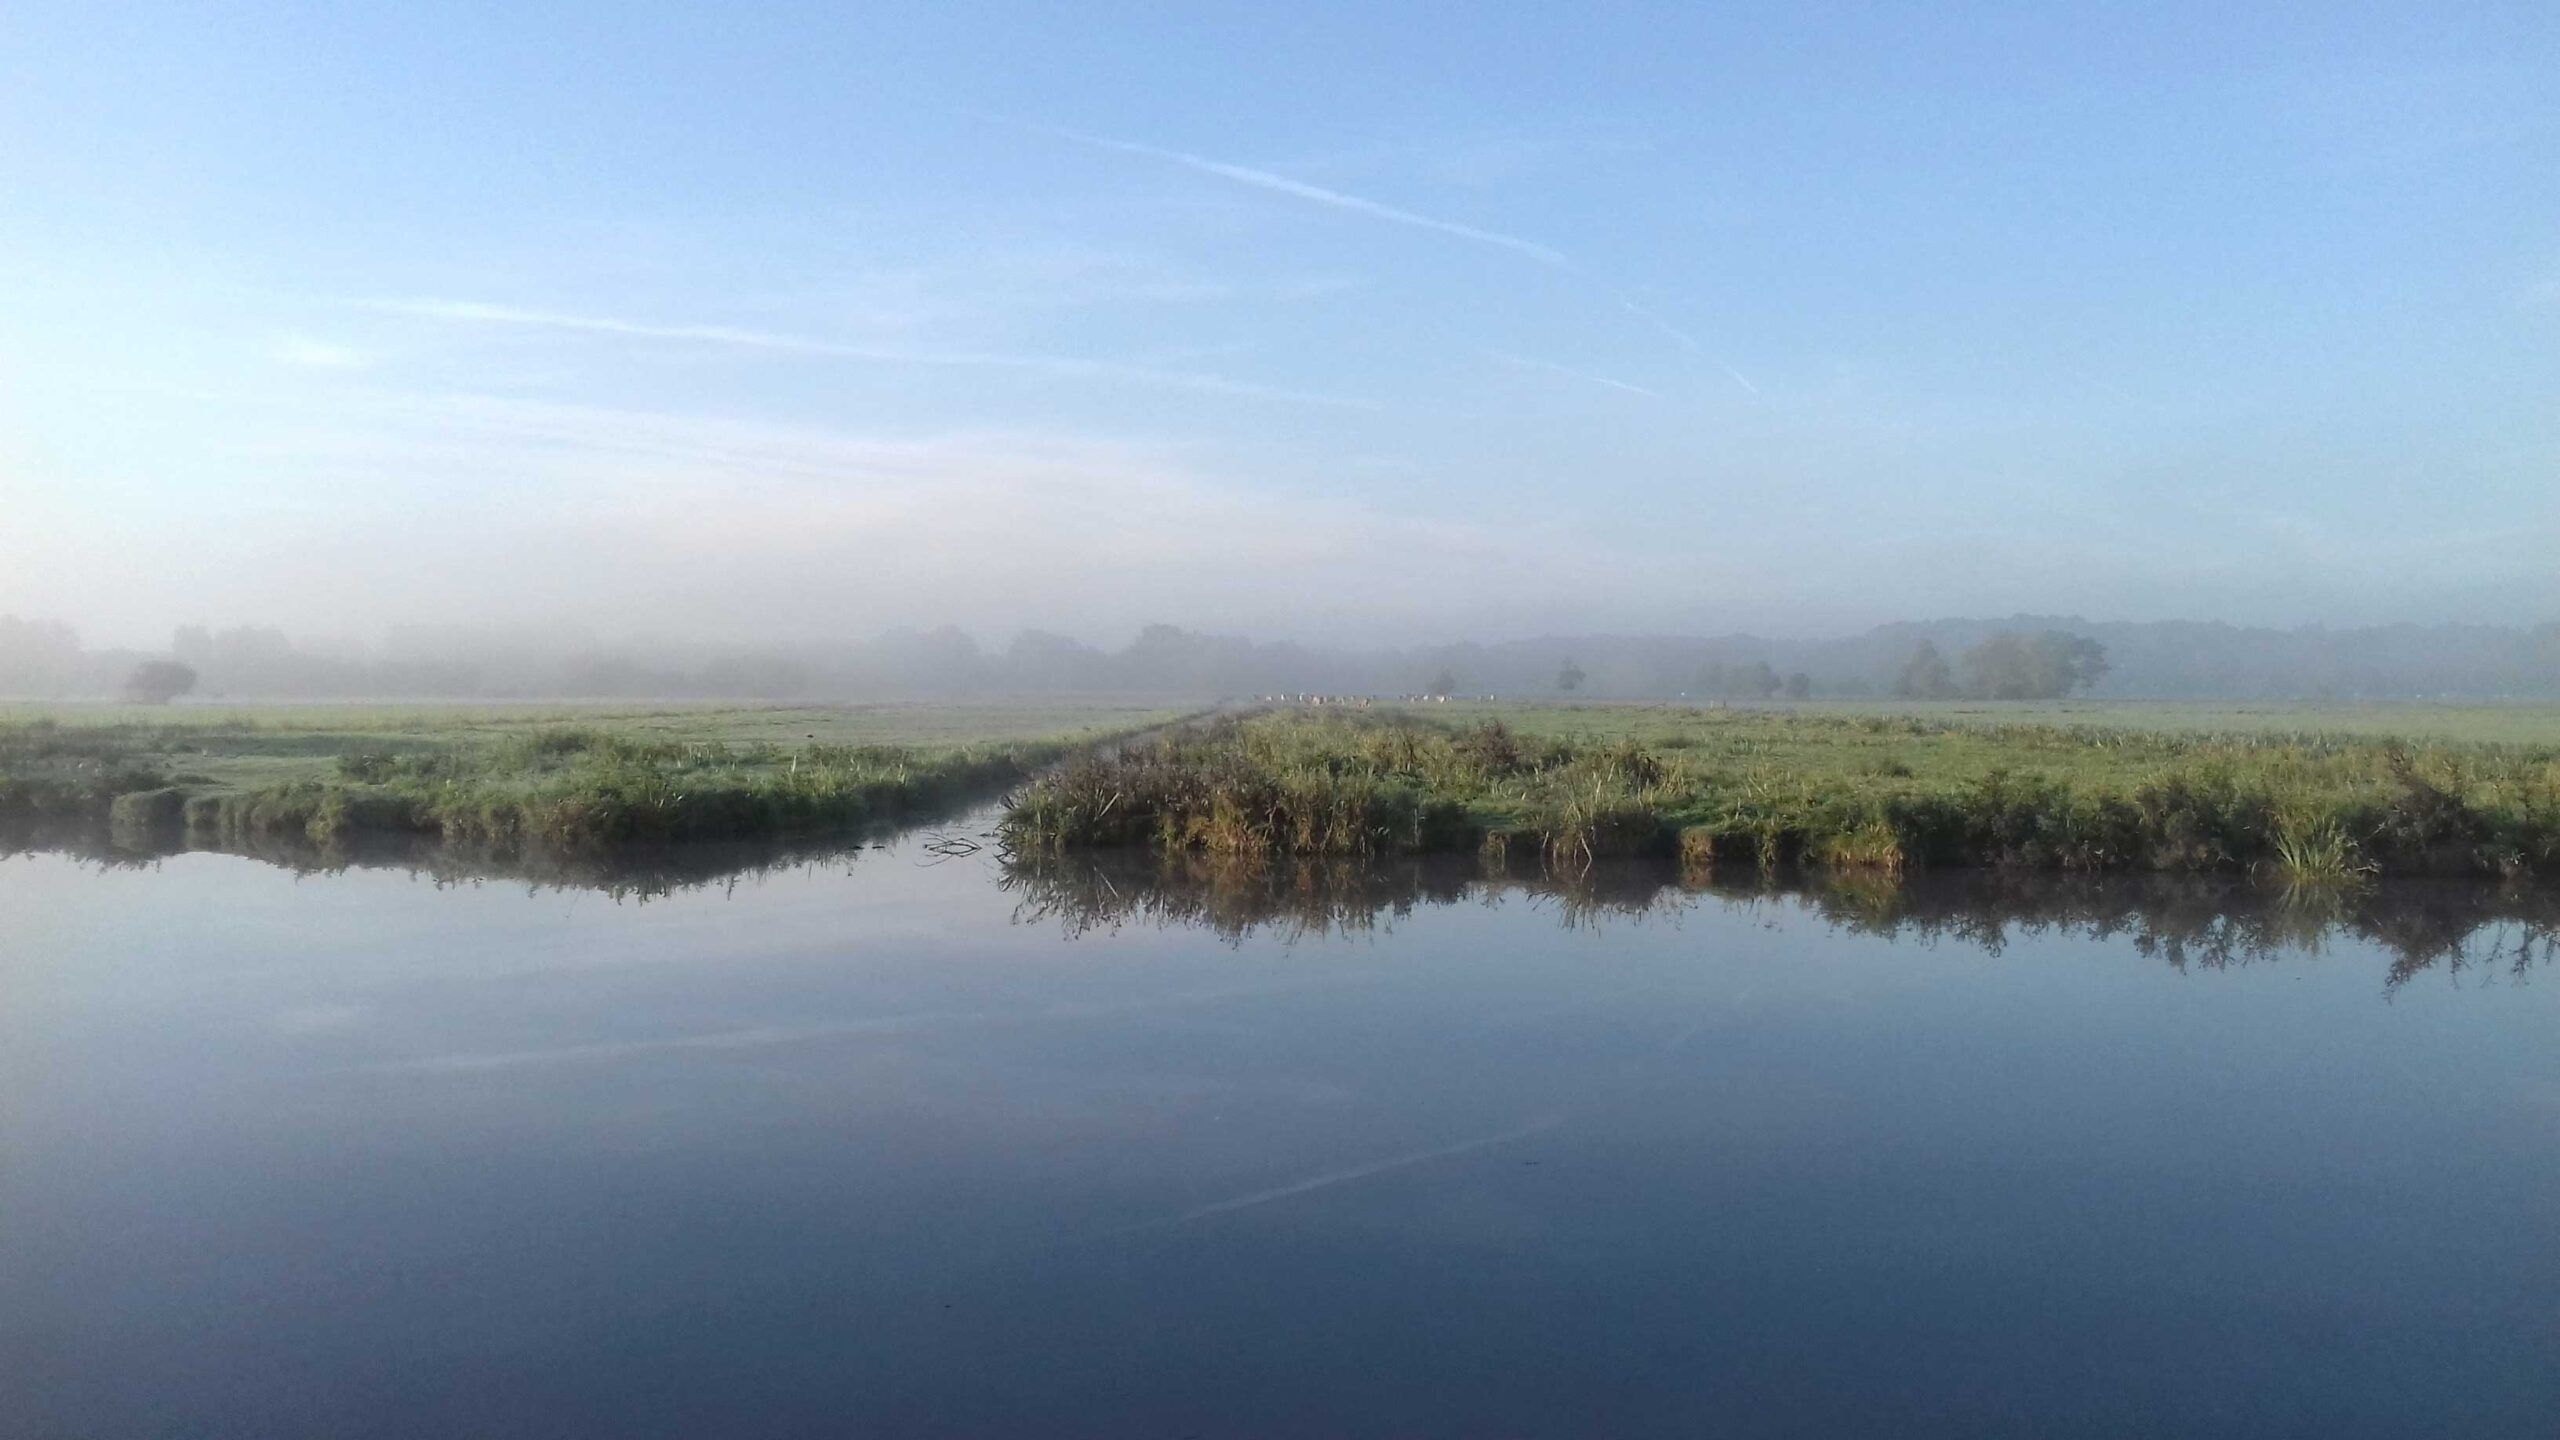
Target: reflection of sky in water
<point>869,1144</point>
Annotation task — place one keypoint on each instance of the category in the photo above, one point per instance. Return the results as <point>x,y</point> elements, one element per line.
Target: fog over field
<point>1912,661</point>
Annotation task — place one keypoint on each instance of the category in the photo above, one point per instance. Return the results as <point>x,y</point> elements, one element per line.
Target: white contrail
<point>1688,342</point>
<point>1265,180</point>
<point>1282,184</point>
<point>1361,1172</point>
<point>477,312</point>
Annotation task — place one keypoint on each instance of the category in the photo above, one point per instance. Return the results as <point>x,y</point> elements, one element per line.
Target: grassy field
<point>2517,723</point>
<point>2332,793</point>
<point>1881,792</point>
<point>502,777</point>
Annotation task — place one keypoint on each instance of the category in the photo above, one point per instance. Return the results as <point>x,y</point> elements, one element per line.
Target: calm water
<point>880,1146</point>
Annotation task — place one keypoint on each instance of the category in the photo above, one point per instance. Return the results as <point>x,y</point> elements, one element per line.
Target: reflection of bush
<point>1234,896</point>
<point>633,872</point>
<point>2199,921</point>
<point>2208,921</point>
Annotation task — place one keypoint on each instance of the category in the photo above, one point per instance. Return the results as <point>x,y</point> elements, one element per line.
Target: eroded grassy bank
<point>1878,793</point>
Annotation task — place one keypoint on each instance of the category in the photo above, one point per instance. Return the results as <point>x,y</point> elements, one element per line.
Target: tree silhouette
<point>157,682</point>
<point>2043,666</point>
<point>1926,676</point>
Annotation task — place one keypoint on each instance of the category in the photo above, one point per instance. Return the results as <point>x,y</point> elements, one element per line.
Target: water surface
<point>894,1144</point>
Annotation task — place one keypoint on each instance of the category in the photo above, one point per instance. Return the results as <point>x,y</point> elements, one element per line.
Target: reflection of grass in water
<point>2202,922</point>
<point>1886,793</point>
<point>2187,921</point>
<point>1232,896</point>
<point>638,873</point>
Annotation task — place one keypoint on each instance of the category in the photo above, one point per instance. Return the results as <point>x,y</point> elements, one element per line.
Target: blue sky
<point>1316,321</point>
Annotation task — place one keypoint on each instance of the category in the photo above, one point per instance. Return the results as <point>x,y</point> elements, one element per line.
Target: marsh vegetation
<point>1879,793</point>
<point>501,781</point>
<point>2299,795</point>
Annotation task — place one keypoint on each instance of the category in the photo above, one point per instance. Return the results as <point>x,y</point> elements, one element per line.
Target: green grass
<point>1873,792</point>
<point>508,778</point>
<point>2513,723</point>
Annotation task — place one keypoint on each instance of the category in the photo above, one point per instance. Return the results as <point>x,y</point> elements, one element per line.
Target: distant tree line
<point>2024,657</point>
<point>157,682</point>
<point>2046,665</point>
<point>1758,680</point>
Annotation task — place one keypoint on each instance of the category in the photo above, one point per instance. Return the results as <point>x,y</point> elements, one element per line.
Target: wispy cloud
<point>968,285</point>
<point>1395,215</point>
<point>635,520</point>
<point>310,354</point>
<point>1486,156</point>
<point>1319,287</point>
<point>482,313</point>
<point>1550,367</point>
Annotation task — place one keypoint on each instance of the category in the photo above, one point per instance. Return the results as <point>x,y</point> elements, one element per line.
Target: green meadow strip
<point>1864,793</point>
<point>555,787</point>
